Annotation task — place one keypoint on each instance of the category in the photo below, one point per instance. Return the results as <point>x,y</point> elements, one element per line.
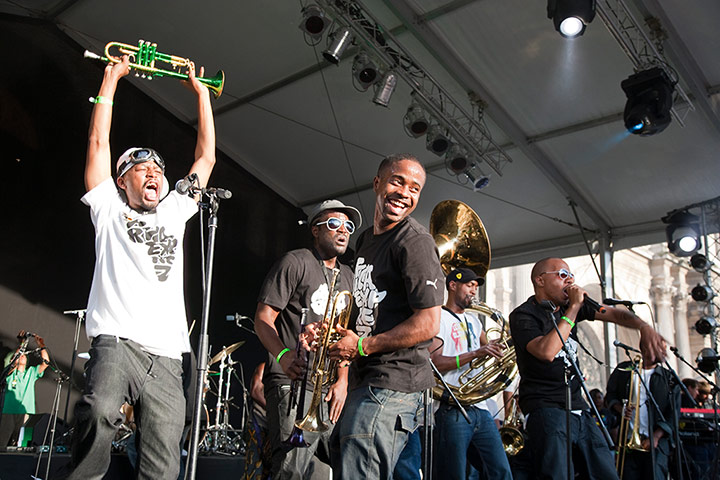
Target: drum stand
<point>222,437</point>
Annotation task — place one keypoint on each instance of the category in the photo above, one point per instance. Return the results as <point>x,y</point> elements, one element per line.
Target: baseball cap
<point>463,275</point>
<point>352,213</point>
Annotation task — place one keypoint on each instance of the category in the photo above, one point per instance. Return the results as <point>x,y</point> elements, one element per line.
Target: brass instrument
<point>630,440</point>
<point>511,434</point>
<point>463,242</point>
<point>143,58</point>
<point>323,369</point>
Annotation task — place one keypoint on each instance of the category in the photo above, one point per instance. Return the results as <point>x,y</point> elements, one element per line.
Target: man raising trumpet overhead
<point>461,340</point>
<point>542,363</point>
<point>136,309</point>
<point>300,280</point>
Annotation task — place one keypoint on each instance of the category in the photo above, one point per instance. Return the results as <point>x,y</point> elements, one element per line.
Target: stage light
<point>705,325</point>
<point>702,293</point>
<point>571,17</point>
<point>384,89</point>
<point>700,263</point>
<point>416,121</point>
<point>340,39</point>
<point>456,159</point>
<point>313,21</point>
<point>649,101</point>
<point>364,71</point>
<point>683,233</point>
<point>707,360</point>
<point>437,141</point>
<point>478,180</point>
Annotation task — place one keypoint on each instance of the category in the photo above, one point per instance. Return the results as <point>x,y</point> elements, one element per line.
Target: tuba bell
<point>462,241</point>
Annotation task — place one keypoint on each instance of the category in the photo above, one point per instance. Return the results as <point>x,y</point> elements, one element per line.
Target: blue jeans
<point>119,371</point>
<point>454,436</point>
<point>298,463</point>
<point>546,429</point>
<point>372,431</point>
<point>410,461</point>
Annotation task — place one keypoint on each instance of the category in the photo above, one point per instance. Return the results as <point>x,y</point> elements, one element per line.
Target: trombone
<point>143,58</point>
<point>629,433</point>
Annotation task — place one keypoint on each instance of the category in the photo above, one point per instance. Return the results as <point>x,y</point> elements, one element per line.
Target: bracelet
<point>572,324</point>
<point>282,352</point>
<point>360,350</point>
<point>457,361</point>
<point>101,99</point>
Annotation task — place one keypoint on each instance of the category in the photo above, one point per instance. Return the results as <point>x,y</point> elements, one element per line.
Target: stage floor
<point>21,466</point>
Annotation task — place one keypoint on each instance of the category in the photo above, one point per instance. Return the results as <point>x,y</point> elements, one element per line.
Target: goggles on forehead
<point>334,223</point>
<point>562,273</point>
<point>138,156</point>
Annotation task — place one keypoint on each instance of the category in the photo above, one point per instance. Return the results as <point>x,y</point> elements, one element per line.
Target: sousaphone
<point>462,241</point>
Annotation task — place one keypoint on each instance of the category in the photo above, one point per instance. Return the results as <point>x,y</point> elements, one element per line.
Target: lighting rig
<point>381,61</point>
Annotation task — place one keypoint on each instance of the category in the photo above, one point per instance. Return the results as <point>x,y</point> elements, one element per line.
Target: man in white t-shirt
<point>136,309</point>
<point>461,340</point>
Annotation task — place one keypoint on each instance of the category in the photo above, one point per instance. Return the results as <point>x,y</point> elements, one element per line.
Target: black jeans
<point>546,429</point>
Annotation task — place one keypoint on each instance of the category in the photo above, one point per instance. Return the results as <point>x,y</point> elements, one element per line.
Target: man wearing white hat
<point>136,310</point>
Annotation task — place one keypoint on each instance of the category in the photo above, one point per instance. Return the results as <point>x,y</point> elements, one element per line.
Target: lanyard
<point>463,324</point>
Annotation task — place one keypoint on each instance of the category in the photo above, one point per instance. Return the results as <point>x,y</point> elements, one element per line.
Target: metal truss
<point>641,50</point>
<point>467,129</point>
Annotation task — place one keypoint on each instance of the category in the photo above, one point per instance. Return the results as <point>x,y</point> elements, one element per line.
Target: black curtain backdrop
<point>47,240</point>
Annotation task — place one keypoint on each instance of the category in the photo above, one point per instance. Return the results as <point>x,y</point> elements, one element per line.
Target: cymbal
<point>460,237</point>
<point>226,351</point>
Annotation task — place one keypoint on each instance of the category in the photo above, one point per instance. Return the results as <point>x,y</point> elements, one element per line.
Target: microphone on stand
<point>184,185</point>
<point>615,301</point>
<point>221,193</point>
<point>625,347</point>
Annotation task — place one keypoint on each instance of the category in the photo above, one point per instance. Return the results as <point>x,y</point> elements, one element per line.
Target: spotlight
<point>478,182</point>
<point>705,325</point>
<point>340,39</point>
<point>707,360</point>
<point>364,71</point>
<point>457,160</point>
<point>436,141</point>
<point>700,263</point>
<point>683,233</point>
<point>385,89</point>
<point>313,22</point>
<point>570,17</point>
<point>416,121</point>
<point>649,100</point>
<point>702,293</point>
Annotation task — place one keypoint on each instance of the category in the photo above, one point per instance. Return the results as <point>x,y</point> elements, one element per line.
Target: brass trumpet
<point>143,58</point>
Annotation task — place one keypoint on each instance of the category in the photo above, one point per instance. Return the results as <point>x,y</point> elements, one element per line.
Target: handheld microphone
<point>594,305</point>
<point>625,347</point>
<point>615,301</point>
<point>184,185</point>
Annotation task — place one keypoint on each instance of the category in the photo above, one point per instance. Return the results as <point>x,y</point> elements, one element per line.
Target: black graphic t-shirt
<point>542,384</point>
<point>298,280</point>
<point>395,272</point>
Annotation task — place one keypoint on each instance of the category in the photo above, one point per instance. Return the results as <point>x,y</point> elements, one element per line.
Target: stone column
<point>682,325</point>
<point>661,293</point>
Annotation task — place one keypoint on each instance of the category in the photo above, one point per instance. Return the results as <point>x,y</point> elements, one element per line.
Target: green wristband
<point>282,352</point>
<point>101,99</point>
<point>360,350</point>
<point>457,361</point>
<point>572,324</point>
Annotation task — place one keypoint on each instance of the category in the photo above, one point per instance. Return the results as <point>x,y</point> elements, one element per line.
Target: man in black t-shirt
<point>542,364</point>
<point>397,292</point>
<point>299,282</point>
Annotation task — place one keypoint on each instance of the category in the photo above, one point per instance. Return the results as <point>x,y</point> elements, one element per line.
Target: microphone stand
<point>52,423</point>
<point>715,390</point>
<point>212,205</point>
<point>79,317</point>
<point>550,308</point>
